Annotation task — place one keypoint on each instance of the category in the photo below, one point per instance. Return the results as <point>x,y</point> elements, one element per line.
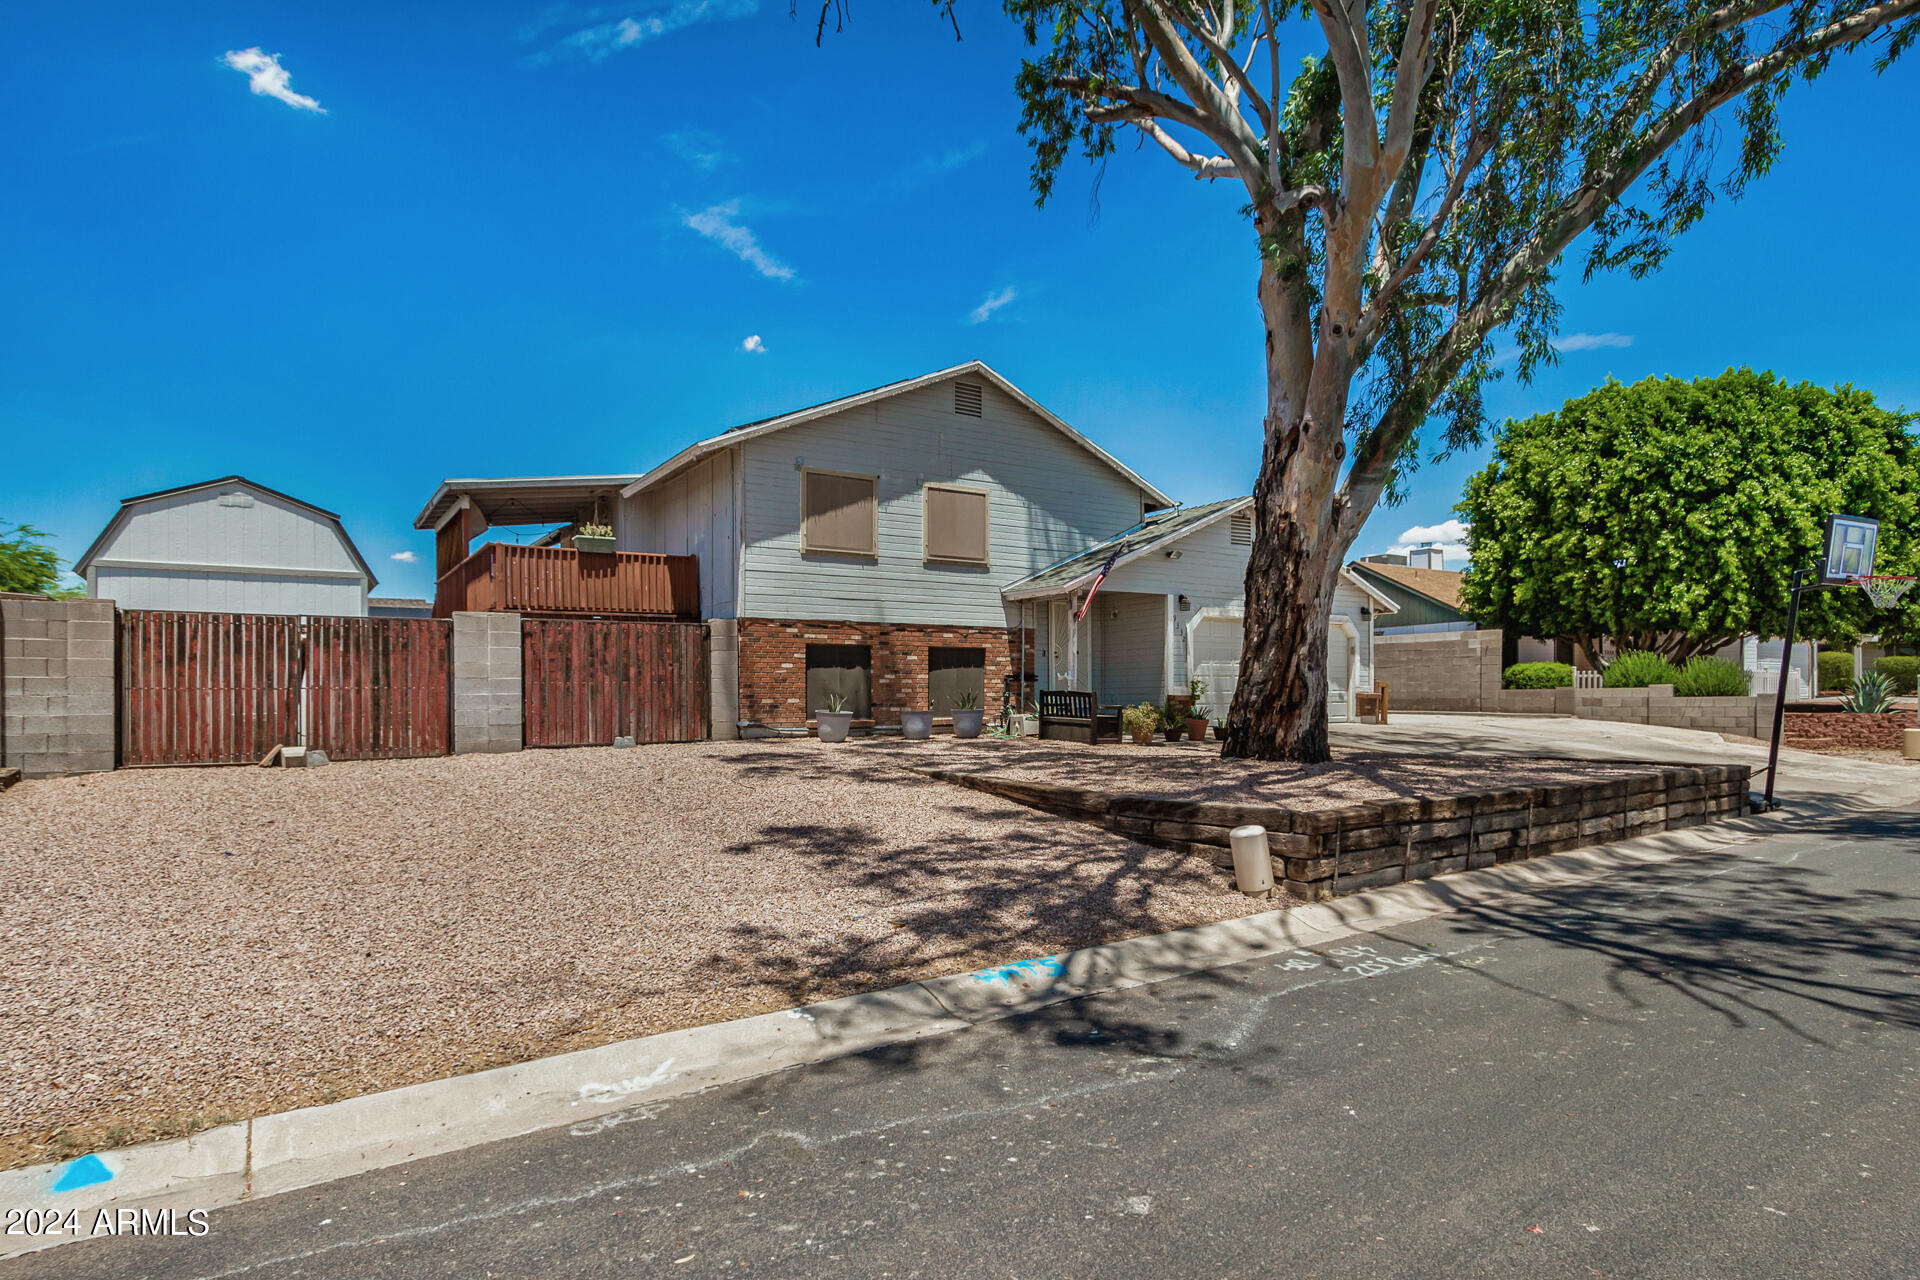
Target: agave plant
<point>1872,693</point>
<point>967,701</point>
<point>836,703</point>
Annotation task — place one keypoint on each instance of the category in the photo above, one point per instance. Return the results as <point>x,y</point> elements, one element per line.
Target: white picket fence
<point>1588,679</point>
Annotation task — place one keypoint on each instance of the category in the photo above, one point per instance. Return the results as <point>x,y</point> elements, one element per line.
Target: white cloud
<point>607,38</point>
<point>698,148</point>
<point>265,76</point>
<point>996,300</point>
<point>1449,535</point>
<point>405,557</point>
<point>754,345</point>
<point>717,224</point>
<point>1591,341</point>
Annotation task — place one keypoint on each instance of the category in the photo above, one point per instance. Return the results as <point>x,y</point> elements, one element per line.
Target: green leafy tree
<point>27,563</point>
<point>1410,173</point>
<point>1668,516</point>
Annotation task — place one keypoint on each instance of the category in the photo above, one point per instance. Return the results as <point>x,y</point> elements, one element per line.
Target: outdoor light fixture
<point>1173,555</point>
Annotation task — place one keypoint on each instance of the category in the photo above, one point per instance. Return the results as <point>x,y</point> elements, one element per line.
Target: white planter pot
<point>916,724</point>
<point>833,725</point>
<point>966,724</point>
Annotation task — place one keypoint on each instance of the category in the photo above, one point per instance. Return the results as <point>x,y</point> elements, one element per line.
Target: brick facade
<point>773,665</point>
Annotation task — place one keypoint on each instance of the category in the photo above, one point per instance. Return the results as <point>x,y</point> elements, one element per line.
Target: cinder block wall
<point>1440,671</point>
<point>488,712</point>
<point>56,685</point>
<point>723,674</point>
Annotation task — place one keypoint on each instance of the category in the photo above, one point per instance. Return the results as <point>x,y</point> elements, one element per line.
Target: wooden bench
<point>1371,706</point>
<point>1074,715</point>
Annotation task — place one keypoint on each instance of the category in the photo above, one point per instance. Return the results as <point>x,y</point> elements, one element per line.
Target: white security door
<point>1216,659</point>
<point>1057,641</point>
<point>1339,668</point>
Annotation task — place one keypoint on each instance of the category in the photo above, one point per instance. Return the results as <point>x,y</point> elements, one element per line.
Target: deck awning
<point>526,499</point>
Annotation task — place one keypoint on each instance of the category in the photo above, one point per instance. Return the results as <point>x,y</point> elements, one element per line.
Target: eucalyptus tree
<point>1412,172</point>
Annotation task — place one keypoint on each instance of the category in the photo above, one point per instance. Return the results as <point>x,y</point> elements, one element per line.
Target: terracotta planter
<point>1196,728</point>
<point>1173,732</point>
<point>833,725</point>
<point>966,722</point>
<point>1142,737</point>
<point>916,725</point>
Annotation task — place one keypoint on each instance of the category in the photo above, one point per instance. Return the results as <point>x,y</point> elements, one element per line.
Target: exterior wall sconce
<point>1173,555</point>
<point>1186,605</point>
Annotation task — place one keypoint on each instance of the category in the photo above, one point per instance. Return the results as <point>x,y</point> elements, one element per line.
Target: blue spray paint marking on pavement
<point>84,1172</point>
<point>1048,966</point>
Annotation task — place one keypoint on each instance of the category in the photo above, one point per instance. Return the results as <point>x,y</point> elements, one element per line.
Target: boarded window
<point>1240,528</point>
<point>953,672</point>
<point>843,670</point>
<point>837,513</point>
<point>966,398</point>
<point>956,521</point>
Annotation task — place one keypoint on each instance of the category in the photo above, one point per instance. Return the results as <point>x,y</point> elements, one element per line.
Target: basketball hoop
<point>1884,590</point>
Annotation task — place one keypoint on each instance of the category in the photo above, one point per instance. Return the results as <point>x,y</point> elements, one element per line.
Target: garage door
<point>1216,659</point>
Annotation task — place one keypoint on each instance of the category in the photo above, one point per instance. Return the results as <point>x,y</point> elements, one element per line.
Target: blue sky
<point>530,239</point>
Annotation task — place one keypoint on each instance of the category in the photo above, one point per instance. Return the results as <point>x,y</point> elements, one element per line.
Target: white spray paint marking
<point>614,1119</point>
<point>632,1084</point>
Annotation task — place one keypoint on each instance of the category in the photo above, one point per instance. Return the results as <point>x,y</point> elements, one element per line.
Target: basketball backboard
<point>1849,550</point>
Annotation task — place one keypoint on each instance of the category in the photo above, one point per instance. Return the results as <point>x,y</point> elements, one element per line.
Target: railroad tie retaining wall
<point>1324,853</point>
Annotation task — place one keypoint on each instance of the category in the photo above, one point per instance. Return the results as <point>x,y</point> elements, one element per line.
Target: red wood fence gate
<point>226,688</point>
<point>588,682</point>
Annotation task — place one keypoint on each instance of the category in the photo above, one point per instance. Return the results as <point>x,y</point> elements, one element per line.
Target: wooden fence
<point>500,576</point>
<point>588,682</point>
<point>226,688</point>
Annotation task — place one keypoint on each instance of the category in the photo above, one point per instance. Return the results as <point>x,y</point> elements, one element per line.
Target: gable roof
<point>1441,586</point>
<point>127,505</point>
<point>1157,529</point>
<point>975,368</point>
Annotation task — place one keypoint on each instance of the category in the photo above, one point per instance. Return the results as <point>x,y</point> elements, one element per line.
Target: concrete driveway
<point>1809,781</point>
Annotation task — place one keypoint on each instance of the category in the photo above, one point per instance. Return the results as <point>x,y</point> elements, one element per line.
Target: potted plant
<point>966,716</point>
<point>915,725</point>
<point>1172,719</point>
<point>595,538</point>
<point>1197,713</point>
<point>835,720</point>
<point>1140,721</point>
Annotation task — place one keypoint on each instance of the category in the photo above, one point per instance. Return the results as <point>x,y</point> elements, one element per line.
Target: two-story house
<point>919,542</point>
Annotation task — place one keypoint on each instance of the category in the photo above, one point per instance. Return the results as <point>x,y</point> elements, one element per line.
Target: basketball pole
<point>1767,803</point>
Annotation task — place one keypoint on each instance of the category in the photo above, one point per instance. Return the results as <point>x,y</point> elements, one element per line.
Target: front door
<point>1057,624</point>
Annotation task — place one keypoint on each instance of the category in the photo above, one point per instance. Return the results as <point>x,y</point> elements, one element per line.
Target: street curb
<point>598,1087</point>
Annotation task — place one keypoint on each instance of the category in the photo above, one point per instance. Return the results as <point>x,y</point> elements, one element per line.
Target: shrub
<point>1636,670</point>
<point>1872,694</point>
<point>1142,716</point>
<point>1903,672</point>
<point>1537,675</point>
<point>1711,678</point>
<point>1836,670</point>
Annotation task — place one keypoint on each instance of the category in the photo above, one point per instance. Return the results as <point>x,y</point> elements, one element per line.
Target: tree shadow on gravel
<point>1755,943</point>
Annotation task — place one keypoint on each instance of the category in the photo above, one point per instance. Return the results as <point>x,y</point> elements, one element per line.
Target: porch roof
<point>1158,528</point>
<point>523,499</point>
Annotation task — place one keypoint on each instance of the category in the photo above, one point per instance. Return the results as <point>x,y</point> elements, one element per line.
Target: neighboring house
<point>1428,594</point>
<point>227,546</point>
<point>399,607</point>
<point>894,547</point>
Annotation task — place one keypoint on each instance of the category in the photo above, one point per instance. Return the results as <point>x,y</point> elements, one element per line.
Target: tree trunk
<point>1279,708</point>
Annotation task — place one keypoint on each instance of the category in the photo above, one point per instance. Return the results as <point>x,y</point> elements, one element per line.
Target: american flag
<point>1098,578</point>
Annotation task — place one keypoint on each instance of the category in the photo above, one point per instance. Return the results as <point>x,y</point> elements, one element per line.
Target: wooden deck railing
<point>500,577</point>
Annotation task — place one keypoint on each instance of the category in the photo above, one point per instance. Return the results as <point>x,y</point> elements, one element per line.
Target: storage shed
<point>227,546</point>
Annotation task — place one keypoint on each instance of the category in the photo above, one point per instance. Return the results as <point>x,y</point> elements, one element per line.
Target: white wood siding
<point>1047,498</point>
<point>691,513</point>
<point>1349,600</point>
<point>1211,573</point>
<point>192,551</point>
<point>1129,633</point>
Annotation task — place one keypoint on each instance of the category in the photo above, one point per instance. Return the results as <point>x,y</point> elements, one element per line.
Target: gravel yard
<point>184,947</point>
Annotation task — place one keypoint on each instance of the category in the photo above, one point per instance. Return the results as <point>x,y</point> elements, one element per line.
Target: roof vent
<point>236,498</point>
<point>1240,528</point>
<point>966,398</point>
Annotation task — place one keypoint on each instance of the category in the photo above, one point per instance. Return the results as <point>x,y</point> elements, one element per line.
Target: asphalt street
<point>1701,1069</point>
